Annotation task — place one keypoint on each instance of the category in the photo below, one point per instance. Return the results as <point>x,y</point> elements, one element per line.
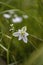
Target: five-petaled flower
<point>22,34</point>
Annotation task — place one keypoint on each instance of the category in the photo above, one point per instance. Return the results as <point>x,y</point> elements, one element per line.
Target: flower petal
<point>19,31</point>
<point>17,20</point>
<point>26,34</point>
<point>20,37</point>
<point>16,34</point>
<point>7,16</point>
<point>24,28</point>
<point>25,39</point>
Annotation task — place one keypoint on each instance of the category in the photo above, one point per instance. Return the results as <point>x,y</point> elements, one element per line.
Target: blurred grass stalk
<point>3,47</point>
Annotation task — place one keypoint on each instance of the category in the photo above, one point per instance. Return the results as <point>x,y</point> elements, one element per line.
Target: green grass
<point>13,51</point>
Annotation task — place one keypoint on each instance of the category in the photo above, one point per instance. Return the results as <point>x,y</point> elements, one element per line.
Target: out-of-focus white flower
<point>7,16</point>
<point>17,19</point>
<point>22,34</point>
<point>25,16</point>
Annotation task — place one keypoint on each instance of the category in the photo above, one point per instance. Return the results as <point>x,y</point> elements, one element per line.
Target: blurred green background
<point>20,53</point>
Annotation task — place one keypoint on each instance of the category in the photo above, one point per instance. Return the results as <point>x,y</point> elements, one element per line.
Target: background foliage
<point>19,52</point>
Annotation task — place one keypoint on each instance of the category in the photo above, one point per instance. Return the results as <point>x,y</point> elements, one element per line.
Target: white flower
<point>7,16</point>
<point>22,34</point>
<point>17,19</point>
<point>25,16</point>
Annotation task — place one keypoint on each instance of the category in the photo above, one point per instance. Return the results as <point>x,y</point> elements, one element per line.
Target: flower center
<point>22,33</point>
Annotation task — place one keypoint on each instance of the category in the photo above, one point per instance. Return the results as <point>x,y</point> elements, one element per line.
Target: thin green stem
<point>3,47</point>
<point>8,51</point>
<point>33,45</point>
<point>36,37</point>
<point>7,36</point>
<point>7,57</point>
<point>6,5</point>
